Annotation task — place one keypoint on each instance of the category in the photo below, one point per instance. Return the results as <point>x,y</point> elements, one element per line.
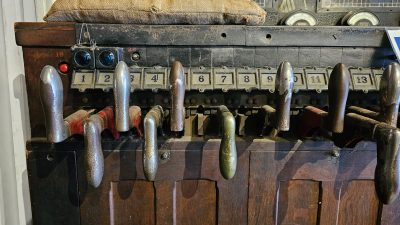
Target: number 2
<point>107,78</point>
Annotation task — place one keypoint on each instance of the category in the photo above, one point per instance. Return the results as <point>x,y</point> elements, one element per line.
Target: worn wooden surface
<point>294,184</point>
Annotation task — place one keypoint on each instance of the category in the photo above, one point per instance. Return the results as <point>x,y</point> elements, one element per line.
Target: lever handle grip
<point>93,154</point>
<point>152,121</point>
<point>51,96</point>
<point>284,88</point>
<point>338,90</point>
<point>122,88</point>
<point>387,172</point>
<point>389,94</point>
<point>227,149</point>
<point>177,81</point>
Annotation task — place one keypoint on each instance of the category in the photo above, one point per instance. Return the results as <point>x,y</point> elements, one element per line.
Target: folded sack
<point>158,11</point>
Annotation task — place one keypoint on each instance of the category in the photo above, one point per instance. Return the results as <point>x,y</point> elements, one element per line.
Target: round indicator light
<point>83,58</point>
<point>107,58</point>
<point>63,67</point>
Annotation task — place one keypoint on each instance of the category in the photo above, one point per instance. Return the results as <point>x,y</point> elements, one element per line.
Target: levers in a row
<point>348,128</point>
<point>381,127</point>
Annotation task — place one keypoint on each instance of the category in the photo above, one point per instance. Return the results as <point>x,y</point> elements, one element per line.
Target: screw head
<point>165,156</point>
<point>135,56</point>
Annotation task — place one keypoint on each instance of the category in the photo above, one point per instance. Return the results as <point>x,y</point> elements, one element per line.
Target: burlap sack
<point>158,11</point>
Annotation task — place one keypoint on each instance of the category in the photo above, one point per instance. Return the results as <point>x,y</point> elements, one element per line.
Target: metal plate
<point>83,80</point>
<point>362,79</point>
<point>247,79</point>
<point>317,79</point>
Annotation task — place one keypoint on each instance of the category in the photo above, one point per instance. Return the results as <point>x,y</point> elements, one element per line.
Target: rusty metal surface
<point>227,149</point>
<point>122,87</point>
<point>152,121</point>
<point>338,90</point>
<point>177,82</point>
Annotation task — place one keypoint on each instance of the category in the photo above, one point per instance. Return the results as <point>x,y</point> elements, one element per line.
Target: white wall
<point>14,120</point>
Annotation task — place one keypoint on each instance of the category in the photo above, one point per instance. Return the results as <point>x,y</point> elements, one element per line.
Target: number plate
<point>136,78</point>
<point>267,78</point>
<point>316,81</point>
<point>83,80</point>
<point>378,76</point>
<point>247,79</point>
<point>105,78</point>
<point>299,81</point>
<point>224,78</point>
<point>200,79</point>
<point>363,79</point>
<point>154,78</point>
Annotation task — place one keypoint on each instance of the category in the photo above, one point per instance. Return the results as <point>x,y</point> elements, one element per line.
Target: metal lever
<point>227,149</point>
<point>338,91</point>
<point>177,81</point>
<point>152,121</point>
<point>387,173</point>
<point>280,118</point>
<point>389,93</point>
<point>284,89</point>
<point>94,126</point>
<point>51,95</point>
<point>333,120</point>
<point>122,88</point>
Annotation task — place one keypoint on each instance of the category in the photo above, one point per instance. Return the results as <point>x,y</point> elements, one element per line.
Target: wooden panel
<point>298,202</point>
<point>267,169</point>
<point>359,204</point>
<point>196,202</point>
<point>132,202</point>
<point>54,188</point>
<point>330,192</point>
<point>45,34</point>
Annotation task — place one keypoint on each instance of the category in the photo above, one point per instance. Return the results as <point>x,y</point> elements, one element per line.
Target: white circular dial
<point>363,19</point>
<point>301,19</point>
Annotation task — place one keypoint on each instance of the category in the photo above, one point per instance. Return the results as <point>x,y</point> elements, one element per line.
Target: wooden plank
<point>165,202</point>
<point>268,169</point>
<point>233,194</point>
<point>330,202</point>
<point>359,204</point>
<point>132,202</point>
<point>60,34</point>
<point>298,202</point>
<point>53,187</point>
<point>196,202</point>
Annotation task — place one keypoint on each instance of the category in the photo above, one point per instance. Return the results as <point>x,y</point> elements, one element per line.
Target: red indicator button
<point>63,67</point>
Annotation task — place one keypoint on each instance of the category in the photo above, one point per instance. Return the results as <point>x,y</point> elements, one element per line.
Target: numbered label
<point>247,79</point>
<point>378,79</point>
<point>154,79</point>
<point>363,80</point>
<point>201,79</point>
<point>298,79</point>
<point>223,78</point>
<point>268,79</point>
<point>82,78</point>
<point>316,79</point>
<point>105,78</point>
<point>135,79</point>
